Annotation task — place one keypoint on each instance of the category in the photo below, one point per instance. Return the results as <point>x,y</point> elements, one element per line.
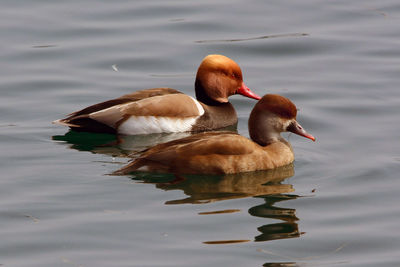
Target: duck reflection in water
<point>204,188</point>
<point>267,185</point>
<point>286,229</point>
<point>119,145</point>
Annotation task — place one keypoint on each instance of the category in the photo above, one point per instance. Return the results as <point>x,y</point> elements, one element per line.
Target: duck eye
<point>233,75</point>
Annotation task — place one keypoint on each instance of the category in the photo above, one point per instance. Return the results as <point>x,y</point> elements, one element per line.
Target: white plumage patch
<point>198,105</point>
<point>152,124</point>
<point>148,124</point>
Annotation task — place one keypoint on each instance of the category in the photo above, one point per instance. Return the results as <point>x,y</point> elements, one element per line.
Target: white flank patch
<point>152,124</point>
<point>198,105</point>
<point>147,124</point>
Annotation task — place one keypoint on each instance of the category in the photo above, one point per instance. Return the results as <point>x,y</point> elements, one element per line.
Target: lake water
<point>339,61</point>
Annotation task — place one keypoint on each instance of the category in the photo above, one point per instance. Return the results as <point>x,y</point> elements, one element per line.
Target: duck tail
<point>131,167</point>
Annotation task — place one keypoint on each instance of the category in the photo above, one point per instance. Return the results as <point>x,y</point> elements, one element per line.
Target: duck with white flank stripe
<point>166,110</point>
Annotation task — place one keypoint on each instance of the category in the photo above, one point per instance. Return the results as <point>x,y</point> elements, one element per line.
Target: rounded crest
<point>222,64</point>
<point>218,77</point>
<point>278,105</point>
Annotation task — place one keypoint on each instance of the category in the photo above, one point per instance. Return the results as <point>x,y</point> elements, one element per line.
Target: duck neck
<point>202,96</point>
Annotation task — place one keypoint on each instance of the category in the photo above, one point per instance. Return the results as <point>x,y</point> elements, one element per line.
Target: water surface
<point>336,206</point>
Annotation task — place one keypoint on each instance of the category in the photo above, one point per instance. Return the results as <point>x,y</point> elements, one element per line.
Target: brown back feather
<point>80,121</point>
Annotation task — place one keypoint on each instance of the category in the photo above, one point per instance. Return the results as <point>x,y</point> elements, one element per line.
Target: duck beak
<point>296,128</point>
<point>244,90</point>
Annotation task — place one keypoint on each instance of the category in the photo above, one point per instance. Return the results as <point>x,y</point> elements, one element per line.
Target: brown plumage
<point>218,77</point>
<point>225,152</point>
<point>281,106</point>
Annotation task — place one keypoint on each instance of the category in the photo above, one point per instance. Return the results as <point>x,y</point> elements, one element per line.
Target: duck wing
<point>80,120</point>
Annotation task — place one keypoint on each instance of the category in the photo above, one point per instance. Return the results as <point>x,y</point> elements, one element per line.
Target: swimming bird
<point>227,152</point>
<point>166,110</point>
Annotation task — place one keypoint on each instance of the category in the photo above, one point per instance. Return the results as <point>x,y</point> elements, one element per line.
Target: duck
<point>228,152</point>
<point>166,110</point>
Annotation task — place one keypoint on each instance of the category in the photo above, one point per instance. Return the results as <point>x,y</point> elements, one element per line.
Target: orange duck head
<point>219,77</point>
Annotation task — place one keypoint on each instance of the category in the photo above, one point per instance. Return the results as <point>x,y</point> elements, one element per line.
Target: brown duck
<point>226,152</point>
<point>166,110</point>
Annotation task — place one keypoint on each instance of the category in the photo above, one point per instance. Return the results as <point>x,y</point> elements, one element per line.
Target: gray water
<point>338,61</point>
